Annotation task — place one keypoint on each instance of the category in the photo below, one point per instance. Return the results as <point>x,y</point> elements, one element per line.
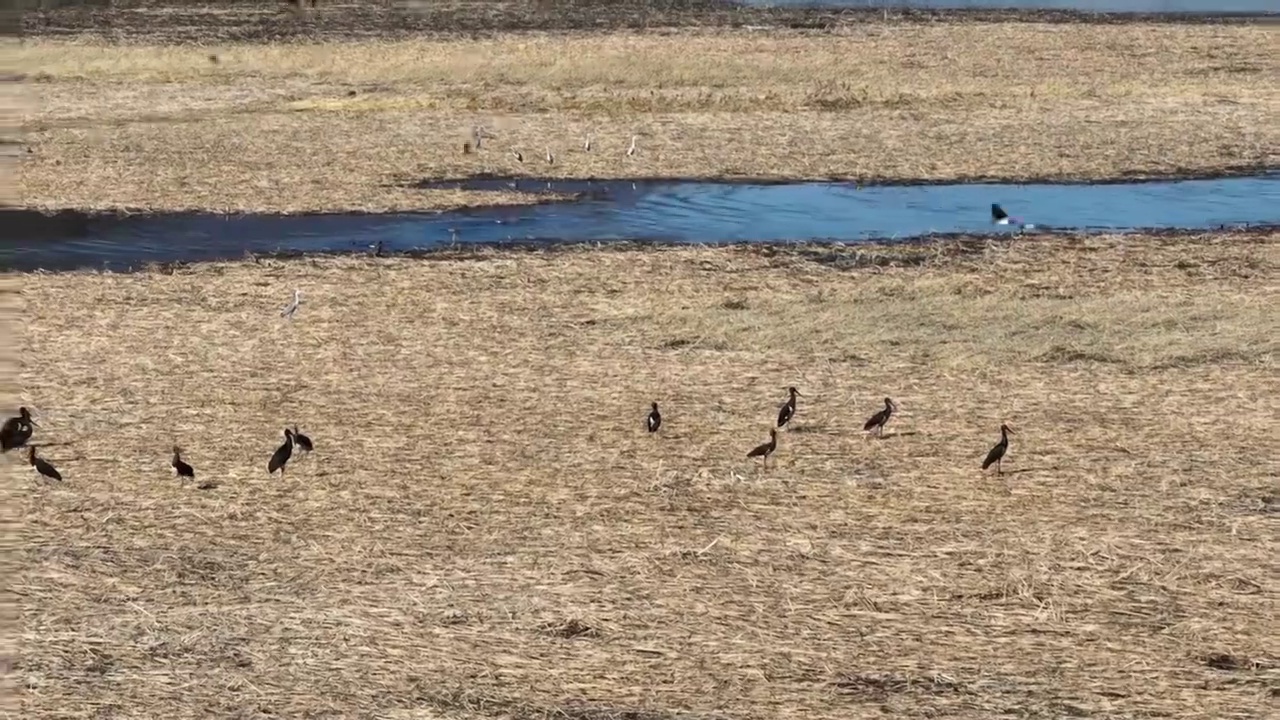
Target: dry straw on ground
<point>344,125</point>
<point>486,531</point>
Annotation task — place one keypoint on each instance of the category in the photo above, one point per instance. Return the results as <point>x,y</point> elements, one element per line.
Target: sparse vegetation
<point>346,125</point>
<point>487,530</point>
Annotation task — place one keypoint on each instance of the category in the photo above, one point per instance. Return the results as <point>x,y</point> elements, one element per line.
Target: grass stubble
<point>485,529</point>
<point>352,124</point>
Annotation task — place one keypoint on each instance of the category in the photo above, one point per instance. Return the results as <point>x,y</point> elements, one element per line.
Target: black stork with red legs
<point>880,419</point>
<point>997,452</point>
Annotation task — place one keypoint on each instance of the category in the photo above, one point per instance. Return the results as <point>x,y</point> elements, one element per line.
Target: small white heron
<point>586,146</point>
<point>293,306</point>
<point>518,155</point>
<point>551,159</point>
<point>632,150</point>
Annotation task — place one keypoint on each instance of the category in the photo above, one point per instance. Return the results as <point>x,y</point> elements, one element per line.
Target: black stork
<point>880,419</point>
<point>302,441</point>
<point>17,430</point>
<point>41,466</point>
<point>764,450</point>
<point>282,454</point>
<point>184,470</point>
<point>997,452</point>
<point>788,409</point>
<point>654,420</point>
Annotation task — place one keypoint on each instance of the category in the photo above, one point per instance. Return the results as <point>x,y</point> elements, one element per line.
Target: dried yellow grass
<point>343,125</point>
<point>485,530</point>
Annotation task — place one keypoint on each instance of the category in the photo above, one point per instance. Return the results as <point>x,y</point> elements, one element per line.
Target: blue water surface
<point>655,211</point>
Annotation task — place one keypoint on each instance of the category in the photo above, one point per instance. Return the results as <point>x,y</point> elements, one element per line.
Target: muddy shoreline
<point>265,22</point>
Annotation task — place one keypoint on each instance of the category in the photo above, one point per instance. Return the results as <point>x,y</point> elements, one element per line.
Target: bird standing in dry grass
<point>764,450</point>
<point>654,420</point>
<point>788,409</point>
<point>41,466</point>
<point>632,150</point>
<point>880,419</point>
<point>997,452</point>
<point>181,468</point>
<point>302,441</point>
<point>17,430</point>
<point>292,307</point>
<point>282,454</point>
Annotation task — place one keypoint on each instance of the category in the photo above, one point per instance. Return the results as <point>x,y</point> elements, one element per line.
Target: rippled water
<point>1109,6</point>
<point>654,211</point>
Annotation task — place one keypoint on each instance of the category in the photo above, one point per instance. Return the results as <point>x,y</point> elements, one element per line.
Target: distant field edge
<point>267,21</point>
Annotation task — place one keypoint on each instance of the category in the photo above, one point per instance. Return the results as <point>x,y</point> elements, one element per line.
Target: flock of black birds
<point>875,423</point>
<point>18,430</point>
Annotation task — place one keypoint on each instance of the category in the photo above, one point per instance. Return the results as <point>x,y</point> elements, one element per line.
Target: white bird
<point>519,155</point>
<point>587,145</point>
<point>293,306</point>
<point>476,135</point>
<point>551,159</point>
<point>632,150</point>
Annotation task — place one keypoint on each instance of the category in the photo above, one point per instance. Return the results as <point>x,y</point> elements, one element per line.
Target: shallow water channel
<point>645,211</point>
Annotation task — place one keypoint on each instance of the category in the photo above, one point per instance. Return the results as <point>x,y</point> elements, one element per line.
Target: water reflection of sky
<point>659,211</point>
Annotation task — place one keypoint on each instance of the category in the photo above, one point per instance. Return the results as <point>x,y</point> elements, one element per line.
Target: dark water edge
<point>901,252</point>
<point>652,212</point>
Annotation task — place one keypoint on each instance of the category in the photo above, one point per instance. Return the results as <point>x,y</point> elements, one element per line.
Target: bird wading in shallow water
<point>788,409</point>
<point>282,454</point>
<point>880,419</point>
<point>41,466</point>
<point>654,419</point>
<point>17,430</point>
<point>996,454</point>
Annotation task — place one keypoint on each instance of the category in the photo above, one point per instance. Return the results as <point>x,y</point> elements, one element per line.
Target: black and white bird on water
<point>42,466</point>
<point>654,420</point>
<point>997,453</point>
<point>764,450</point>
<point>1000,217</point>
<point>302,441</point>
<point>282,454</point>
<point>184,470</point>
<point>788,409</point>
<point>17,430</point>
<point>880,419</point>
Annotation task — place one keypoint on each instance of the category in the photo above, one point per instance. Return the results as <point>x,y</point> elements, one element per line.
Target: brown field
<point>351,124</point>
<point>485,531</point>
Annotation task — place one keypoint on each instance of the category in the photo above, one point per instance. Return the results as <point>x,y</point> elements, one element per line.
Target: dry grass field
<point>486,531</point>
<point>342,125</point>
